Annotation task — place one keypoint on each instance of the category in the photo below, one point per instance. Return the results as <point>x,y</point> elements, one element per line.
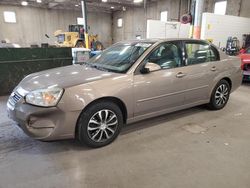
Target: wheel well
<point>118,102</point>
<point>115,100</point>
<point>229,81</point>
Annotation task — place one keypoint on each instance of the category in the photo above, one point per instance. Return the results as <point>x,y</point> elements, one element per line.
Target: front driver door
<point>160,90</point>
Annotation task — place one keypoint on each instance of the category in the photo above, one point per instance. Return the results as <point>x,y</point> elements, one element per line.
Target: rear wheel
<point>220,95</point>
<point>100,124</point>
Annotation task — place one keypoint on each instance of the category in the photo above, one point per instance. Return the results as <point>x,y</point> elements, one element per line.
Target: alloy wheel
<point>102,125</point>
<point>221,95</point>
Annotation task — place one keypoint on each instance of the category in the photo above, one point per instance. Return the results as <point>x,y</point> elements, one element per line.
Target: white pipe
<point>84,15</point>
<point>198,12</point>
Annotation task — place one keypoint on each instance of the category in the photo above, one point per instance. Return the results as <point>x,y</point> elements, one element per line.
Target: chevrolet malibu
<point>128,82</point>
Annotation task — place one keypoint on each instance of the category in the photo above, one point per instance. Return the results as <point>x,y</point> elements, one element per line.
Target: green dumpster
<point>16,63</point>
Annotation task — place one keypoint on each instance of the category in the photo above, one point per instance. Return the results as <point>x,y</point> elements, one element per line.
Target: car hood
<point>63,77</point>
<point>245,56</point>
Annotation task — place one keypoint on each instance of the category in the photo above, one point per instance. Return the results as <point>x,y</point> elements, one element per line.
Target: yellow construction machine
<point>77,37</point>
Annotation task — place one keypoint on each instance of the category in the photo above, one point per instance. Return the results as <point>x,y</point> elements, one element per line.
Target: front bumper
<point>43,123</point>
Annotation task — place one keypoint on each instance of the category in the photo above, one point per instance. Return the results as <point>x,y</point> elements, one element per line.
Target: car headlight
<point>44,97</point>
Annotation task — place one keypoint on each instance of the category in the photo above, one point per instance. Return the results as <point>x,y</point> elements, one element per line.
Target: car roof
<point>135,41</point>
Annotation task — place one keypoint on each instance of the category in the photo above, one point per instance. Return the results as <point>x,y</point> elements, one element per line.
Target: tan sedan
<point>128,82</point>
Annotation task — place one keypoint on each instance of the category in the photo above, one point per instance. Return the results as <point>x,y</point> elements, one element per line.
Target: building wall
<point>133,24</point>
<point>244,9</point>
<point>101,23</point>
<point>134,19</point>
<point>219,28</point>
<point>33,23</point>
<point>234,7</point>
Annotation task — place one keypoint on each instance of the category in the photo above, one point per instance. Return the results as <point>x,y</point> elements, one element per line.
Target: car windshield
<point>119,58</point>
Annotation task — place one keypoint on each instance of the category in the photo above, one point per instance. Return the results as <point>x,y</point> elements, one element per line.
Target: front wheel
<point>100,124</point>
<point>220,95</point>
<point>80,44</point>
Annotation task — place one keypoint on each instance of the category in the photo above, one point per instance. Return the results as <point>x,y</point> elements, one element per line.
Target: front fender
<point>77,97</point>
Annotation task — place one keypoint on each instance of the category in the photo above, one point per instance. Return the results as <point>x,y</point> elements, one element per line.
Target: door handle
<point>180,75</point>
<point>213,68</point>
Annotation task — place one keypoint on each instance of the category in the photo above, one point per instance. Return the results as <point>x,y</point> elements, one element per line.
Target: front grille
<point>14,98</point>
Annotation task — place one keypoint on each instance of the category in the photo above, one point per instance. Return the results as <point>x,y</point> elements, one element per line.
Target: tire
<point>94,132</point>
<point>80,44</point>
<point>220,95</point>
<point>99,45</point>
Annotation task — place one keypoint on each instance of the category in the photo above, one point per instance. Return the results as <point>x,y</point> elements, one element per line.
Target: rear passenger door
<point>201,61</point>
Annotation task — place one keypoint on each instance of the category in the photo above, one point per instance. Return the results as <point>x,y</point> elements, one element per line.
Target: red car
<point>245,63</point>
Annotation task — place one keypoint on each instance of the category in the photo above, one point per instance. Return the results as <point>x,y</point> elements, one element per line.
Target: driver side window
<point>167,56</point>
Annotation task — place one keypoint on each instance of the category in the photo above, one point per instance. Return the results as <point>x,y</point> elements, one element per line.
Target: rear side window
<point>200,53</point>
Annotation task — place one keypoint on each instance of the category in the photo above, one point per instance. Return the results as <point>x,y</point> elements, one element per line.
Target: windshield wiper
<point>99,68</point>
<point>95,66</point>
<point>85,63</point>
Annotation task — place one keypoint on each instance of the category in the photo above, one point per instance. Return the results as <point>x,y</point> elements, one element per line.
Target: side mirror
<point>150,67</point>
